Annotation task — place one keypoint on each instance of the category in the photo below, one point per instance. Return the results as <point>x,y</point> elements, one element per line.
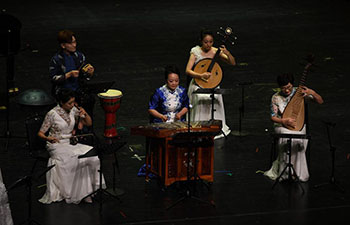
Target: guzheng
<point>161,130</point>
<point>168,161</point>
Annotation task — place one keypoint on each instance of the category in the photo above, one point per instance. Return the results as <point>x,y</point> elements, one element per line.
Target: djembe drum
<point>110,102</point>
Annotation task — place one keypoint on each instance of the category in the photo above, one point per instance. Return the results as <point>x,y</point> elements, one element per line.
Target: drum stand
<point>289,165</point>
<point>99,151</point>
<point>332,180</point>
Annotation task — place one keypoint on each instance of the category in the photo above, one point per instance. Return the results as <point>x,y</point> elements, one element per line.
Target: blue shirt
<point>168,102</point>
<point>72,82</point>
<point>60,64</point>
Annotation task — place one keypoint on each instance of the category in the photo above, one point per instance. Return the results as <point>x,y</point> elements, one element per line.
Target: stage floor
<point>130,42</point>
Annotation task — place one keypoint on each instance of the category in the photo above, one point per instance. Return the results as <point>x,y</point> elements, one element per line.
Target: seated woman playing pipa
<point>279,101</point>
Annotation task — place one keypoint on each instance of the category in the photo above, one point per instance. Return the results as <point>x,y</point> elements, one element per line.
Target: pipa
<point>211,65</point>
<point>296,107</point>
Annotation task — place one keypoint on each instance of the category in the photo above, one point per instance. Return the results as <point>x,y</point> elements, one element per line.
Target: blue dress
<point>168,102</point>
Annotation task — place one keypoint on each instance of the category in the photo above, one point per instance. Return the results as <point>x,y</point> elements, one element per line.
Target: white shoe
<point>221,135</point>
<point>88,200</point>
<point>226,132</point>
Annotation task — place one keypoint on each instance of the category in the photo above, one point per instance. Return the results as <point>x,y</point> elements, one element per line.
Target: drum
<point>110,102</point>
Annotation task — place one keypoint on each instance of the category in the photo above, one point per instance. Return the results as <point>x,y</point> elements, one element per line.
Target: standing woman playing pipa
<point>201,103</point>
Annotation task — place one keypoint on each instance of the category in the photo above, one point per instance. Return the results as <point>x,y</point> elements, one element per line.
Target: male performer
<point>278,103</point>
<point>67,65</point>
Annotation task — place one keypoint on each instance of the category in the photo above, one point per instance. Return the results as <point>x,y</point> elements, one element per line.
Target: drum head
<point>111,93</point>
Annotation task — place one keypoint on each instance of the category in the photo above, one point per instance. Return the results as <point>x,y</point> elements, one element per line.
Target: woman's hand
<point>226,55</point>
<point>289,122</point>
<point>85,118</point>
<point>52,139</point>
<point>307,91</point>
<point>80,126</point>
<point>224,50</point>
<point>164,118</point>
<point>178,116</point>
<point>205,75</point>
<point>82,112</point>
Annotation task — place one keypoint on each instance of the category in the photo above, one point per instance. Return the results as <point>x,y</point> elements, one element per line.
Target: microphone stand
<point>28,182</point>
<point>241,109</point>
<point>332,180</point>
<point>190,143</point>
<point>10,74</point>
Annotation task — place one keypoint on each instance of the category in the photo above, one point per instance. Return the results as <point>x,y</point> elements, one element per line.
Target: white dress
<point>298,146</point>
<point>298,157</point>
<point>71,179</point>
<point>5,212</point>
<point>201,103</point>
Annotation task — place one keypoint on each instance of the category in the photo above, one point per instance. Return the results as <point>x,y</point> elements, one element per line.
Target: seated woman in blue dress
<point>169,103</point>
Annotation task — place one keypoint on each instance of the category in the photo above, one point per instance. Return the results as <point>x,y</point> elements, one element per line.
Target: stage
<point>130,42</point>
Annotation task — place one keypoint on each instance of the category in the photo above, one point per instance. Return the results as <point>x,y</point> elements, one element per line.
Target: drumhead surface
<point>111,93</point>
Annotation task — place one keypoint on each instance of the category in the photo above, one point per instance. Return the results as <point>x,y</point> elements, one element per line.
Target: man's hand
<point>73,73</point>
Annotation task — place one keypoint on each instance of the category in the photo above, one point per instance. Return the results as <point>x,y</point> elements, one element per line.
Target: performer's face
<point>68,105</point>
<point>287,89</point>
<point>207,43</point>
<point>70,47</point>
<point>172,81</point>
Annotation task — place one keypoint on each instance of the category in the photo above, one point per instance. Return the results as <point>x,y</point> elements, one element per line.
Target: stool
<point>289,165</point>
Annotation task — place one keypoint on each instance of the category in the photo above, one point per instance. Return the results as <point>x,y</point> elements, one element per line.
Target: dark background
<point>129,42</point>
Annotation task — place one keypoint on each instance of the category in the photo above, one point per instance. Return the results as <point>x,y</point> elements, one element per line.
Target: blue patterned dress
<point>168,102</point>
